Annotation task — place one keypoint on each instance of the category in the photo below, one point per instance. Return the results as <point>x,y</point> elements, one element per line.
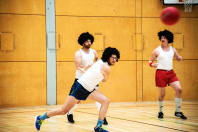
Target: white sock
<point>72,109</point>
<point>178,102</point>
<point>161,105</point>
<point>98,105</point>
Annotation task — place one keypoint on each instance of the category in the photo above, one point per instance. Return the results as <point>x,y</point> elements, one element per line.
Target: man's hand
<point>155,65</point>
<point>179,58</point>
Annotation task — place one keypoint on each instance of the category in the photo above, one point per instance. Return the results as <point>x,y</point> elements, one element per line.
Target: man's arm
<point>105,71</point>
<point>154,55</point>
<point>78,62</point>
<point>176,55</point>
<point>96,55</point>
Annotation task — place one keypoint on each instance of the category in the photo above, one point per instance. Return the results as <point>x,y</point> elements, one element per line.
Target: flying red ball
<point>170,15</point>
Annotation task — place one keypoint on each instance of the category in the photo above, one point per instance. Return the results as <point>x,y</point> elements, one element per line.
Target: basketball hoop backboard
<point>187,3</point>
<point>178,2</point>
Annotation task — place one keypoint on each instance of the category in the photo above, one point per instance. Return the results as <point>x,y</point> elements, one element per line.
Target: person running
<point>85,88</point>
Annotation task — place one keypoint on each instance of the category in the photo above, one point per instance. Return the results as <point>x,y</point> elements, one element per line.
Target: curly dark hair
<point>108,52</point>
<point>84,37</point>
<point>169,35</point>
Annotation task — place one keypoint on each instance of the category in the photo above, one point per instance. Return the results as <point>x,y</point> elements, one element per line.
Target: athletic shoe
<point>38,123</point>
<point>160,115</point>
<point>70,118</point>
<point>105,121</point>
<point>99,129</point>
<point>180,115</point>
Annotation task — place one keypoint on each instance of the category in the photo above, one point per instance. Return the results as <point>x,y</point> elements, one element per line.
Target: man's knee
<point>161,97</point>
<point>179,91</point>
<point>63,111</point>
<point>105,101</point>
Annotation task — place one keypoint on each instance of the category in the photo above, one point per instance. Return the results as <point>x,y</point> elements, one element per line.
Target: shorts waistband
<point>164,70</point>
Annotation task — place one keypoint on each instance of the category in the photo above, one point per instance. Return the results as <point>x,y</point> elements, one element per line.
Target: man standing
<point>85,87</point>
<point>84,58</point>
<point>164,73</point>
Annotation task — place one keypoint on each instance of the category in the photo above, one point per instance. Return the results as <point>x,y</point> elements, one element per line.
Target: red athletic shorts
<point>164,77</point>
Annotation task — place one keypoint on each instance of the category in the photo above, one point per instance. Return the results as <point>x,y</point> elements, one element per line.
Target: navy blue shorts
<point>78,91</point>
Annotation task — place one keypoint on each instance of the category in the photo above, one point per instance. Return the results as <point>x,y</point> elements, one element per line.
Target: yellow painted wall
<point>22,83</point>
<point>129,25</point>
<point>22,53</point>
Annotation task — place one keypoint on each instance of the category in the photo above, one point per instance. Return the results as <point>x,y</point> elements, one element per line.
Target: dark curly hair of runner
<point>108,52</point>
<point>84,37</point>
<point>169,35</point>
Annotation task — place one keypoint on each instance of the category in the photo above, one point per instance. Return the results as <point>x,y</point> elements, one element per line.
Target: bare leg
<point>70,116</point>
<point>178,90</point>
<point>161,102</point>
<point>69,103</point>
<point>177,87</point>
<point>161,93</point>
<point>97,103</point>
<point>161,98</point>
<point>104,101</point>
<point>73,108</point>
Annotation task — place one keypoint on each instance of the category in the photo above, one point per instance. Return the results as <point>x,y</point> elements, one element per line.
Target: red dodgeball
<point>170,15</point>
